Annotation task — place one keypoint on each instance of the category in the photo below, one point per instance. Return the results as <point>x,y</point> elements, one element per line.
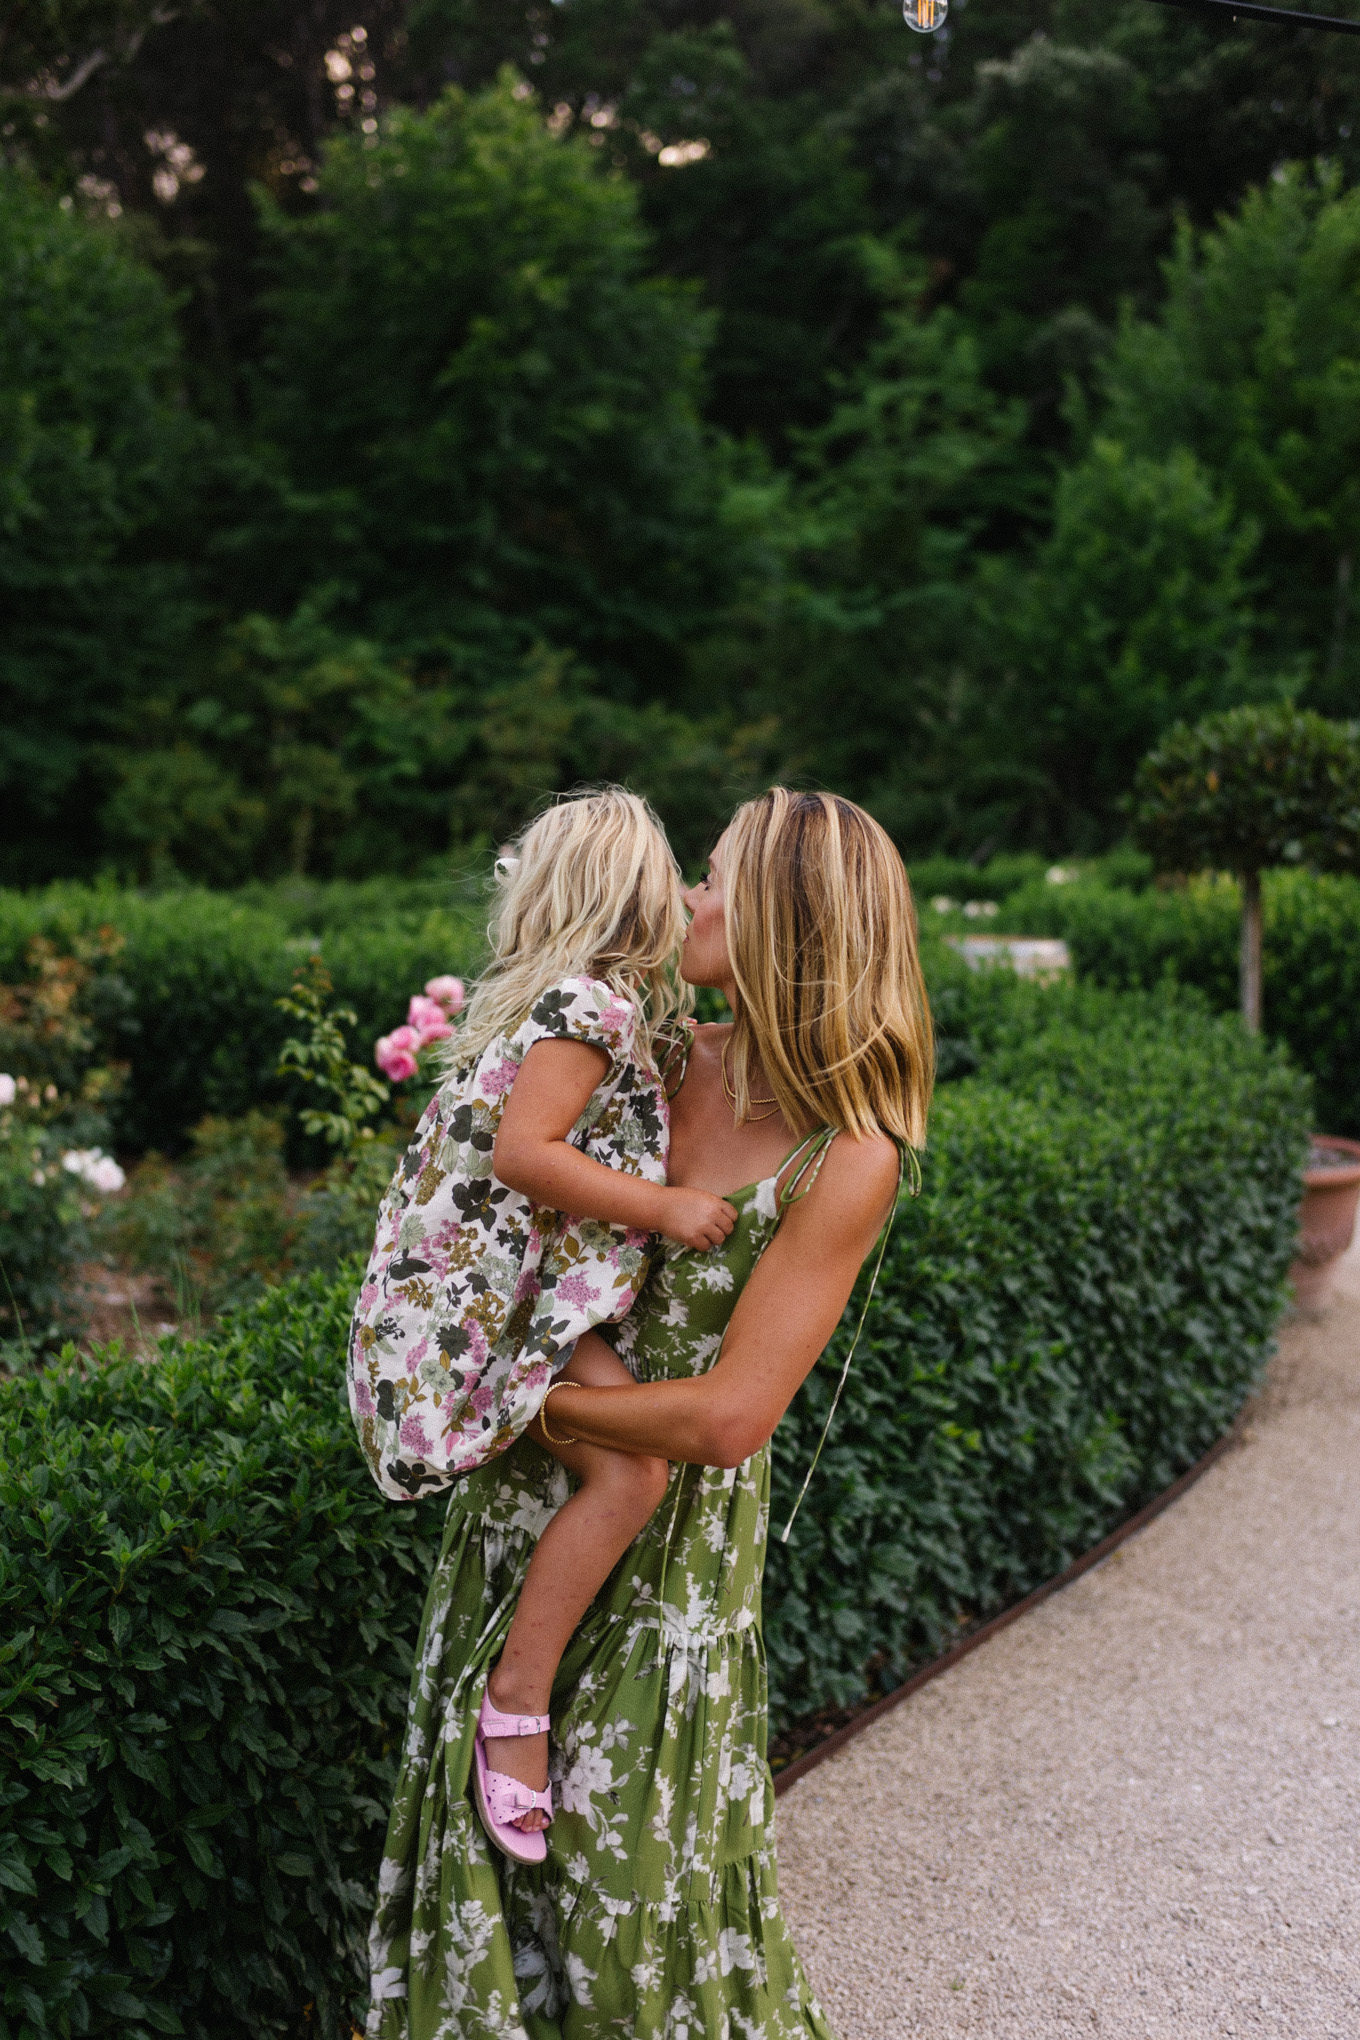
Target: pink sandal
<point>501,1799</point>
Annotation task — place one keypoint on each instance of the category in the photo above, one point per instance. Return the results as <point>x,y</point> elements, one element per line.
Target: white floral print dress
<point>474,1298</point>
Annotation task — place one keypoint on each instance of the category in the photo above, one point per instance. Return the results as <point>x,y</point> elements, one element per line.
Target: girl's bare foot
<point>524,1757</point>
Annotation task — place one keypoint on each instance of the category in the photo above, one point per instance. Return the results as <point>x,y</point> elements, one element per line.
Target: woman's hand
<point>787,1312</point>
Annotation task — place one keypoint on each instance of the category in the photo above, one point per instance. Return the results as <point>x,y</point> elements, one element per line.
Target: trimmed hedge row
<point>1072,1311</point>
<point>208,1610</point>
<point>189,1002</point>
<point>208,1613</point>
<point>1311,925</point>
<point>193,1012</point>
<point>201,972</point>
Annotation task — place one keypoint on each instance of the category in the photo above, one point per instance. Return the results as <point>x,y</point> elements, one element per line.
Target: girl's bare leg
<point>618,1495</point>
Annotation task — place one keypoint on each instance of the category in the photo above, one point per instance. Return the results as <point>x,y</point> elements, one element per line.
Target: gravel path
<point>1135,1811</point>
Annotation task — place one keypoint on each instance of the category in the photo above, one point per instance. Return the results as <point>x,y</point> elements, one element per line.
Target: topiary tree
<point>1246,790</point>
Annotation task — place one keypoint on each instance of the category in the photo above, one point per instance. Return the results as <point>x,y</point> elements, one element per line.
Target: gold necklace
<point>754,1117</point>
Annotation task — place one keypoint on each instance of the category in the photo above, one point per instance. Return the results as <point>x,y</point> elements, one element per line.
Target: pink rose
<point>448,991</point>
<point>396,1053</point>
<point>426,1018</point>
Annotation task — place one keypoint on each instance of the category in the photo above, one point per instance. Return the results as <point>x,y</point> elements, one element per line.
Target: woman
<point>655,1914</point>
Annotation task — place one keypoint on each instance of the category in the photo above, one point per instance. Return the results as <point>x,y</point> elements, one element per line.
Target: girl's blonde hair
<point>821,932</point>
<point>590,889</point>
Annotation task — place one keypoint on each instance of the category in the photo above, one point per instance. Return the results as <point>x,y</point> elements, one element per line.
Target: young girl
<point>519,1219</point>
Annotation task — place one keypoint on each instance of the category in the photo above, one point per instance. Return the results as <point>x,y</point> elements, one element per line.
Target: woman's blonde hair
<point>590,889</point>
<point>821,933</point>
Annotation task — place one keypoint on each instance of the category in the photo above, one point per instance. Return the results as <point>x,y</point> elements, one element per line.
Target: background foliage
<point>195,1020</point>
<point>1071,1313</point>
<point>208,1611</point>
<point>414,408</point>
<point>208,1621</point>
<point>1121,937</point>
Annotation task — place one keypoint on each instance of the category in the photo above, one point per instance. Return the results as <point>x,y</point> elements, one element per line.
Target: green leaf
<point>162,2017</point>
<point>26,1938</point>
<point>202,1852</point>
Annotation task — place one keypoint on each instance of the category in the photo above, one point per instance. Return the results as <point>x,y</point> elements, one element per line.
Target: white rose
<point>96,1168</point>
<point>8,1089</point>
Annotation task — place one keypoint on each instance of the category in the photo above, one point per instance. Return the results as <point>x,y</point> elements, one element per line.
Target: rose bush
<point>49,1193</point>
<point>429,1018</point>
<point>55,1096</point>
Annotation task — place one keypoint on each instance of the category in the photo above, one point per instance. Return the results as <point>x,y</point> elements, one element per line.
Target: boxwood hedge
<point>207,1610</point>
<point>200,972</point>
<point>207,1615</point>
<point>1069,1315</point>
<point>1311,989</point>
<point>193,1012</point>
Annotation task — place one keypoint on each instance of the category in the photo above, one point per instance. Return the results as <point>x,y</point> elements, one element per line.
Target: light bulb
<point>925,16</point>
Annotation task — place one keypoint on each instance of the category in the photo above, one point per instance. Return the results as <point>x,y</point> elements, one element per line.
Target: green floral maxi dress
<point>655,1916</point>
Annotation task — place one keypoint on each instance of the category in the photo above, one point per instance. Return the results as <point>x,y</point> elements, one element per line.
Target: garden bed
<point>210,1610</point>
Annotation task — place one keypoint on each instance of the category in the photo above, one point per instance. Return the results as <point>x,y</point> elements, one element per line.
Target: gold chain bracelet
<point>543,1409</point>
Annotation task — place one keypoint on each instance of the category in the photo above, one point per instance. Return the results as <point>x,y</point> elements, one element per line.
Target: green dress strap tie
<point>813,1152</point>
<point>883,1239</point>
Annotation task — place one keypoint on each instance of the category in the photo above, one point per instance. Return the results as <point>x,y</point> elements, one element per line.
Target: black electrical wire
<point>1283,16</point>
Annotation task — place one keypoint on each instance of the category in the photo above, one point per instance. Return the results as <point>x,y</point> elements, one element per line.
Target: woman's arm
<point>789,1309</point>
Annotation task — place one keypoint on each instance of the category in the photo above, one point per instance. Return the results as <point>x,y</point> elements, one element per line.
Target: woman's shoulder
<point>857,1180</point>
<point>874,1158</point>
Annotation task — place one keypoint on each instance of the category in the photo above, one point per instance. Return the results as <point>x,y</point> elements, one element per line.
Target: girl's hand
<point>696,1218</point>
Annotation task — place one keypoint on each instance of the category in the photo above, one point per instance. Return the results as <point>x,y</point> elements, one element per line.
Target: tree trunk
<point>1341,616</point>
<point>1251,951</point>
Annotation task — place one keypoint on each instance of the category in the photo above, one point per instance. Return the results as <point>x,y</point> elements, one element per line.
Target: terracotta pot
<point>1326,1220</point>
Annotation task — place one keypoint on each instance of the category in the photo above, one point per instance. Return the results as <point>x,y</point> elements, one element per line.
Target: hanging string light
<point>1285,15</point>
<point>925,16</point>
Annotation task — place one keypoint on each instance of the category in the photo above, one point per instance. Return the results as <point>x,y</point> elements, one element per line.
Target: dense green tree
<point>174,113</point>
<point>1253,365</point>
<point>485,408</point>
<point>545,728</point>
<point>96,456</point>
<point>773,219</point>
<point>1135,613</point>
<point>766,389</point>
<point>873,645</point>
<point>1059,169</point>
<point>1054,165</point>
<point>290,747</point>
